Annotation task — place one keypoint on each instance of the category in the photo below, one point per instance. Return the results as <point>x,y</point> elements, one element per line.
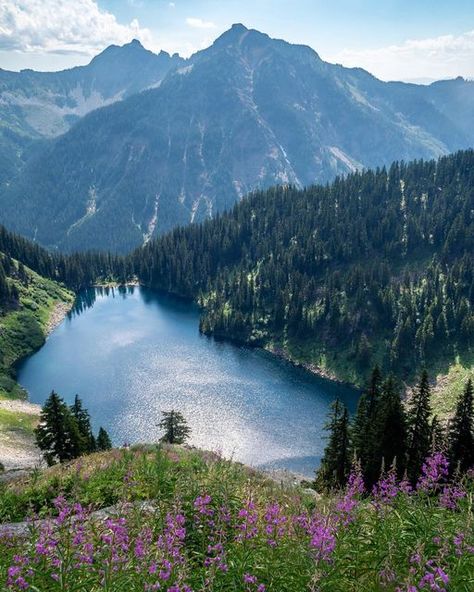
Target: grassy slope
<point>372,547</point>
<point>22,332</point>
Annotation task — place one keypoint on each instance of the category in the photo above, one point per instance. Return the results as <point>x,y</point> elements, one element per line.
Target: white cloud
<point>446,56</point>
<point>63,27</point>
<point>198,23</point>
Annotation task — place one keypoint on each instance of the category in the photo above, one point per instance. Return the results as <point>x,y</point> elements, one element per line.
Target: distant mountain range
<point>246,113</point>
<point>38,105</point>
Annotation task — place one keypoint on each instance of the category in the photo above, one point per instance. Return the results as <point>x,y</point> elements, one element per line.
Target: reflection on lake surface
<point>131,353</point>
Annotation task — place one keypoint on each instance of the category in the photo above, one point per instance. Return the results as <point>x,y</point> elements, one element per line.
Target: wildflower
<point>355,488</point>
<point>253,581</point>
<point>248,522</point>
<point>450,496</point>
<point>435,578</point>
<point>386,488</point>
<point>323,539</point>
<point>433,472</point>
<point>274,523</point>
<point>202,503</point>
<point>249,579</point>
<point>387,575</point>
<point>355,483</point>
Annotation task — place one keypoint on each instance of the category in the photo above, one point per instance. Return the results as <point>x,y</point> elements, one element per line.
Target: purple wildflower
<point>386,489</point>
<point>433,472</point>
<point>450,496</point>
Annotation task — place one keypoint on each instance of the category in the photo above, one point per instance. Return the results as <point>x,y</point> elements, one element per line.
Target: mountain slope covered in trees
<point>246,113</point>
<point>375,268</point>
<point>38,105</point>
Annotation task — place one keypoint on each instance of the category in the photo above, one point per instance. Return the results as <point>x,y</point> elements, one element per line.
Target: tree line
<point>76,271</point>
<point>387,433</point>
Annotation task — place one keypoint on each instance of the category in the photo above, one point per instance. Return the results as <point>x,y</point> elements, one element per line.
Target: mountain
<point>373,269</point>
<point>246,113</point>
<point>36,105</point>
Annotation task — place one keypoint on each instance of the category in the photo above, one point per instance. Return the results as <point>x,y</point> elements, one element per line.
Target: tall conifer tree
<point>461,433</point>
<point>103,440</point>
<point>175,427</point>
<point>365,431</point>
<point>335,464</point>
<point>419,427</point>
<point>57,434</point>
<point>87,441</point>
<point>391,426</point>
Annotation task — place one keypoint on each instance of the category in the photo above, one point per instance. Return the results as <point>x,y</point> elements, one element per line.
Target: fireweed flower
<point>386,489</point>
<point>461,546</point>
<point>433,472</point>
<point>405,486</point>
<point>354,489</point>
<point>247,525</point>
<point>450,496</point>
<point>323,538</point>
<point>275,522</point>
<point>252,583</point>
<point>435,579</point>
<point>387,575</point>
<point>15,578</point>
<point>202,503</point>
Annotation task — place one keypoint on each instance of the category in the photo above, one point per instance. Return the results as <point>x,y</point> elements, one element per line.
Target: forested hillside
<point>374,268</point>
<point>27,302</point>
<point>76,271</point>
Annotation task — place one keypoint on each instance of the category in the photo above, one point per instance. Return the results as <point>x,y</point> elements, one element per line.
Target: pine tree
<point>437,435</point>
<point>175,427</point>
<point>419,428</point>
<point>103,441</point>
<point>461,432</point>
<point>391,424</point>
<point>365,430</point>
<point>87,440</point>
<point>335,464</point>
<point>57,434</point>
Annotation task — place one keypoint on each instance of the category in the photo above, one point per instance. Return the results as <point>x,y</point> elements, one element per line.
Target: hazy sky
<point>393,39</point>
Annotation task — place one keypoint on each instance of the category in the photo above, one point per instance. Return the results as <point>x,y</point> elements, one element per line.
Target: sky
<point>414,40</point>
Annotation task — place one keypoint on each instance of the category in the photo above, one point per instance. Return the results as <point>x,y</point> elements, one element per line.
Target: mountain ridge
<point>246,113</point>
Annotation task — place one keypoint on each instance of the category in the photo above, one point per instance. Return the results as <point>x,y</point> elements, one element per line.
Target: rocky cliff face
<point>246,113</point>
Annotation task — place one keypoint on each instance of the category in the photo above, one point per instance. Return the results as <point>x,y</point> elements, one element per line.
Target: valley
<point>236,296</point>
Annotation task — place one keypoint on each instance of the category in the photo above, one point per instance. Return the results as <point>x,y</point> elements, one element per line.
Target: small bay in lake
<point>131,353</point>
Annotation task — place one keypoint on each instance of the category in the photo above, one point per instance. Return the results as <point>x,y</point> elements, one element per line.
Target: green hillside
<point>25,317</point>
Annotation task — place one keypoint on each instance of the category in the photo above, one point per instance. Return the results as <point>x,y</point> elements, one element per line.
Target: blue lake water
<point>131,354</point>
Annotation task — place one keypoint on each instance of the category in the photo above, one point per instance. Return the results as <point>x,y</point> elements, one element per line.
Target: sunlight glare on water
<point>130,354</point>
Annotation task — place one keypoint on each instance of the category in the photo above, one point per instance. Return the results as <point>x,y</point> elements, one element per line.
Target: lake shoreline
<point>314,369</point>
<point>235,391</point>
<point>58,314</point>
